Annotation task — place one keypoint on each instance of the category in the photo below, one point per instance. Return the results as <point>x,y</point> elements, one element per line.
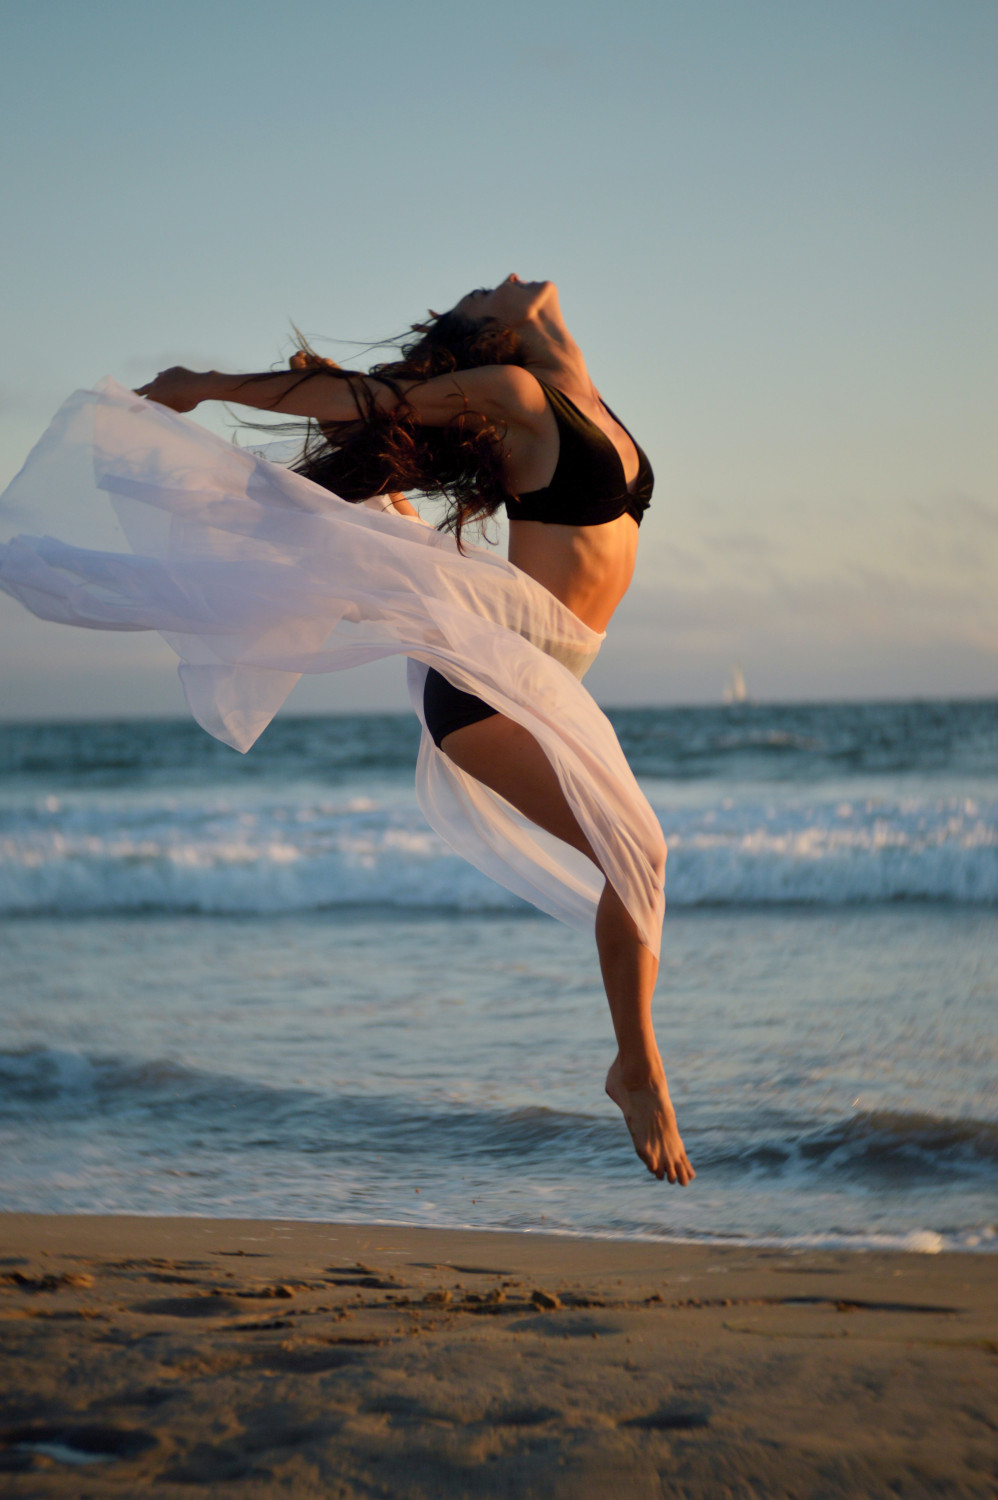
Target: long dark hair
<point>381,451</point>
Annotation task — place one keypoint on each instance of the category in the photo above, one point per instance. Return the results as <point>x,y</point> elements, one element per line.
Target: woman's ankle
<point>642,1070</point>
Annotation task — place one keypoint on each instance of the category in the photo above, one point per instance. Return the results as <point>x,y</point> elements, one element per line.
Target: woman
<point>491,404</point>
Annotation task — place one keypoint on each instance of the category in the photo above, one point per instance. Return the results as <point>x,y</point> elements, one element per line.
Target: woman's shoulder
<point>504,391</point>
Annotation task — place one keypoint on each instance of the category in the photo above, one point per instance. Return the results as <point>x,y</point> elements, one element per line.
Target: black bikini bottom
<point>446,708</point>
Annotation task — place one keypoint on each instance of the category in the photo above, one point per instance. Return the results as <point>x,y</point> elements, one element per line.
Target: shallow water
<point>262,987</point>
<point>834,1073</point>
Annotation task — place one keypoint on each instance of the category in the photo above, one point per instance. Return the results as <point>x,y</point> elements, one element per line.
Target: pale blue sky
<point>774,230</point>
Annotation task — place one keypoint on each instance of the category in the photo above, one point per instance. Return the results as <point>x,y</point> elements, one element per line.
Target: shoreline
<point>918,1242</point>
<point>311,1359</point>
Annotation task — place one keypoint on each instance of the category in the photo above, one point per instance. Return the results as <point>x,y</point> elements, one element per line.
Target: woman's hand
<point>177,388</point>
<point>305,359</point>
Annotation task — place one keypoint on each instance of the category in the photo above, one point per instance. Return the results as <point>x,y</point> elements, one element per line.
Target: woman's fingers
<point>179,388</point>
<point>304,359</point>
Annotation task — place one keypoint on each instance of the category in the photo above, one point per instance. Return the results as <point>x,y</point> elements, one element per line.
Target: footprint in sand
<point>189,1307</point>
<point>69,1443</point>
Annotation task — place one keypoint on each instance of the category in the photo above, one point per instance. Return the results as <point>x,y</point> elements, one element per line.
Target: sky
<point>773,226</point>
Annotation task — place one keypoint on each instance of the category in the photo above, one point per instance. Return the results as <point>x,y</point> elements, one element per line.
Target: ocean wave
<point>51,1086</point>
<point>230,855</point>
<point>836,854</point>
<point>43,1084</point>
<point>772,742</point>
<point>885,1146</point>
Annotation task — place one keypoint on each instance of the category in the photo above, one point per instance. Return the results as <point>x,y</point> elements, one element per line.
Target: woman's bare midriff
<point>588,568</point>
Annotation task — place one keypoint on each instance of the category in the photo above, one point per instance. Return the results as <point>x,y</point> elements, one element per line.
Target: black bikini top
<point>588,486</point>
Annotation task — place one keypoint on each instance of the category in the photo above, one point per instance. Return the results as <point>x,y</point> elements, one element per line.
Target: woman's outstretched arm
<point>497,392</point>
<point>314,392</point>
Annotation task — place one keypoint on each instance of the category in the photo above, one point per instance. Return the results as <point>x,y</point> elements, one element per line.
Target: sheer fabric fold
<point>254,576</point>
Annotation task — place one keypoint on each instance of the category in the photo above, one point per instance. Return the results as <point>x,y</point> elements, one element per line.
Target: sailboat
<point>735,690</point>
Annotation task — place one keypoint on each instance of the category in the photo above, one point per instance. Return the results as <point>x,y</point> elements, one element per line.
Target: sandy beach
<point>276,1358</point>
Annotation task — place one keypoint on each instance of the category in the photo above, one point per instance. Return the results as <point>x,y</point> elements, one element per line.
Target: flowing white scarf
<point>255,575</point>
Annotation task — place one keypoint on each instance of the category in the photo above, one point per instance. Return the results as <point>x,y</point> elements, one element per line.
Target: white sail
<point>735,690</point>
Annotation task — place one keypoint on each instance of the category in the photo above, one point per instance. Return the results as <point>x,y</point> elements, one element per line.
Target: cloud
<point>965,513</point>
<point>861,604</point>
<point>753,544</point>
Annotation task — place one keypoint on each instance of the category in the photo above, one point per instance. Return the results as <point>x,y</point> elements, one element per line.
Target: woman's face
<point>511,303</point>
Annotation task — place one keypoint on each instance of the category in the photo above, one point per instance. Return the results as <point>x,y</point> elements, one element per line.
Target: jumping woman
<point>255,574</point>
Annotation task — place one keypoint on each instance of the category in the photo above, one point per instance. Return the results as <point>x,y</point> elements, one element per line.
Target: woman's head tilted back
<point>392,451</point>
<point>513,304</point>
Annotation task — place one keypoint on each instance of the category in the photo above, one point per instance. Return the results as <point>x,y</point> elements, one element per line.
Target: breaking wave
<point>233,854</point>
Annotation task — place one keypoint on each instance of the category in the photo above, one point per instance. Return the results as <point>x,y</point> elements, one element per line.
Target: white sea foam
<point>246,854</point>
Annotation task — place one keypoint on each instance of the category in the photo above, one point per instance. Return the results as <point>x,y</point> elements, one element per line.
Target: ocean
<point>261,986</point>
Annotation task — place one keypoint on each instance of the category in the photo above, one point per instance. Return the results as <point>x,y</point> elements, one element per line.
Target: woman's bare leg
<point>507,758</point>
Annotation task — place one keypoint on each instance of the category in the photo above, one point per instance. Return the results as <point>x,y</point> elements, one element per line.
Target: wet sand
<point>264,1359</point>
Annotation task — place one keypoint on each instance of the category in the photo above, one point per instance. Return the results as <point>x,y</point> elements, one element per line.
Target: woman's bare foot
<point>651,1119</point>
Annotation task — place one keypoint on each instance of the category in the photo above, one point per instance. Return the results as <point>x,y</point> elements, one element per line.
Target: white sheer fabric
<point>254,575</point>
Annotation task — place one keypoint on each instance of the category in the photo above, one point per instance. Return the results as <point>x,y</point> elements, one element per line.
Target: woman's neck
<point>552,353</point>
